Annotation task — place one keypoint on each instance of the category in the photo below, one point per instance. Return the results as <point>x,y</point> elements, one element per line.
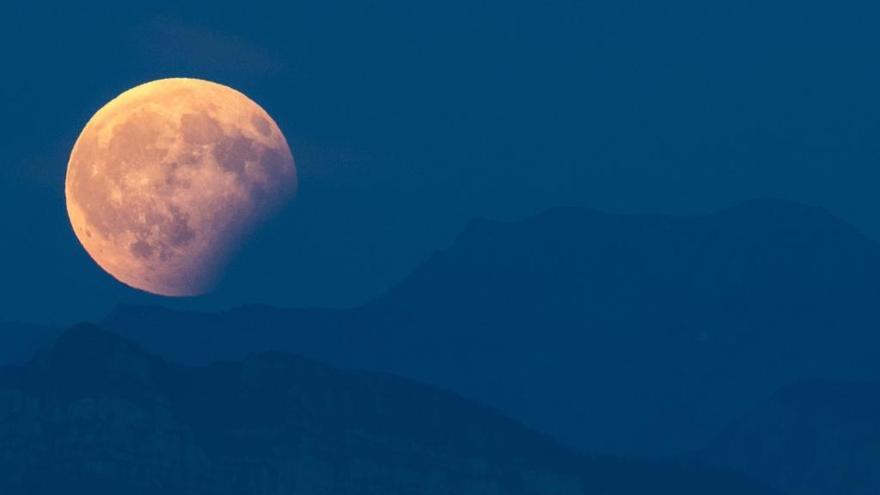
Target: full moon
<point>166,181</point>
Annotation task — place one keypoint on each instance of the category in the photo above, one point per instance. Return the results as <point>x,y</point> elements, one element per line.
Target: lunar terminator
<point>167,179</point>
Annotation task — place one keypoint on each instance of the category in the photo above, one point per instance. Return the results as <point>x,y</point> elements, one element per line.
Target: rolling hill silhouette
<point>622,334</point>
<point>96,414</point>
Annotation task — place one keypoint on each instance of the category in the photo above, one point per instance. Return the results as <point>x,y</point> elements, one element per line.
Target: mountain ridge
<point>541,317</point>
<point>98,414</point>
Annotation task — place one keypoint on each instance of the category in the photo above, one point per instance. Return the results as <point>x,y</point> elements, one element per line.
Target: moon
<point>167,180</point>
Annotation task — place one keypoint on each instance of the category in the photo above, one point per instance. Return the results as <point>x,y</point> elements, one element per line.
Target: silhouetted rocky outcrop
<point>98,415</point>
<point>815,437</point>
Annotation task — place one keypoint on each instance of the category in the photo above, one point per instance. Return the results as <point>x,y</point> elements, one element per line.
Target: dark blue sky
<point>407,119</point>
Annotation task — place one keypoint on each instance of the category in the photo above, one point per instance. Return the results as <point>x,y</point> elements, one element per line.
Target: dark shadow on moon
<point>166,199</point>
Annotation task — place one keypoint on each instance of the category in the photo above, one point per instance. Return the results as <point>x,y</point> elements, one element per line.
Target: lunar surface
<point>167,179</point>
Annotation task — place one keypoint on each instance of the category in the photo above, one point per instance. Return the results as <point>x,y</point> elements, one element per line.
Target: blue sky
<point>408,119</point>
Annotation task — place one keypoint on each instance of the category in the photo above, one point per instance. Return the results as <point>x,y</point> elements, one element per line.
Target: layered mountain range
<point>641,335</point>
<point>630,335</point>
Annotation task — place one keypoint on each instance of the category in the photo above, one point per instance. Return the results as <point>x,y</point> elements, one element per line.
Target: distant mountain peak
<point>89,360</point>
<point>86,341</point>
<point>766,214</point>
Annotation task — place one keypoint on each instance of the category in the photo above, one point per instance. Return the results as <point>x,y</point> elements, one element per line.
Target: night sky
<point>409,119</point>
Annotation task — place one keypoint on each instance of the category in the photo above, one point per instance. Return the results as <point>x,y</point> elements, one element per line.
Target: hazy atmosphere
<point>488,247</point>
<point>409,120</point>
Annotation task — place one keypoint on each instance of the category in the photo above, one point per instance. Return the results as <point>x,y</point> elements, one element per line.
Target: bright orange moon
<point>167,179</point>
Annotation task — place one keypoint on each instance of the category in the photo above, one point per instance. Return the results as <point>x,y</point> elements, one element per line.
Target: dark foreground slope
<point>626,334</point>
<point>96,415</point>
<point>816,437</point>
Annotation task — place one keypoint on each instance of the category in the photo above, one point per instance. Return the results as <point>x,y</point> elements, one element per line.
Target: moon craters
<point>166,180</point>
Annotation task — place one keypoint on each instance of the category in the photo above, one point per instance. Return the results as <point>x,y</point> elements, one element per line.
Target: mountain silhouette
<point>622,334</point>
<point>815,437</point>
<point>96,414</point>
